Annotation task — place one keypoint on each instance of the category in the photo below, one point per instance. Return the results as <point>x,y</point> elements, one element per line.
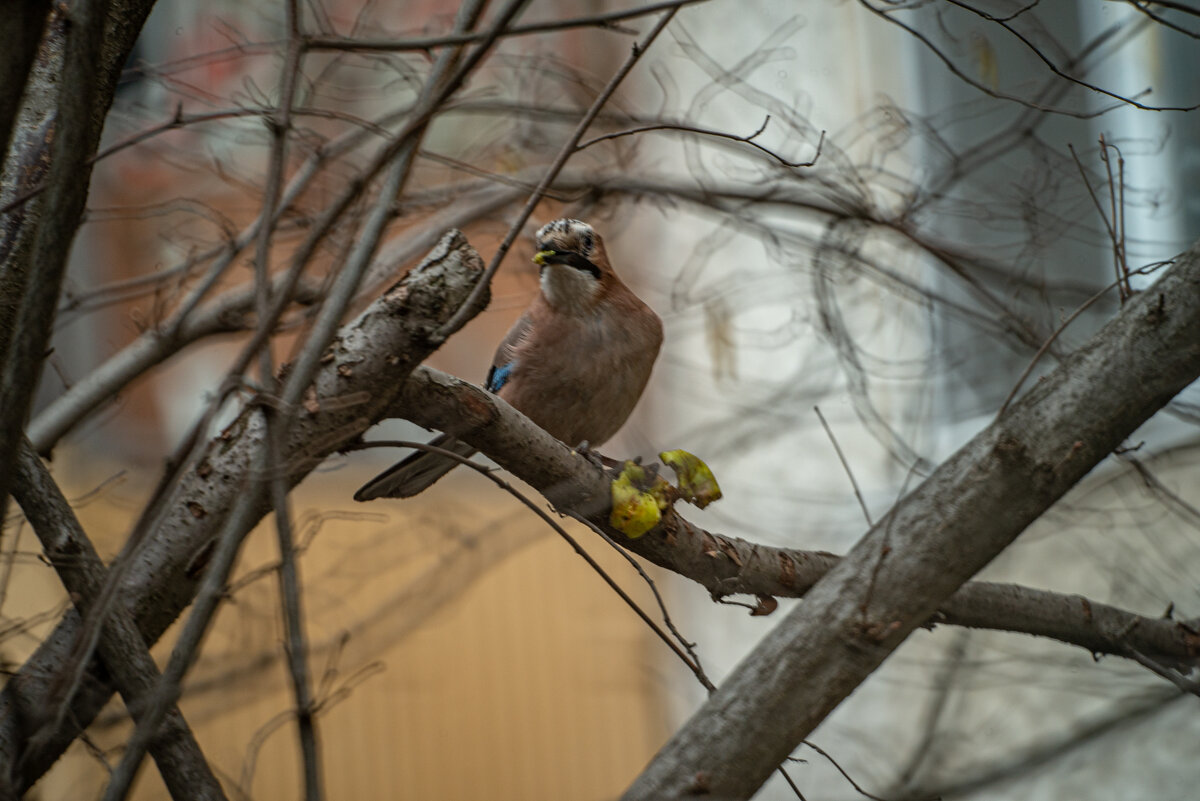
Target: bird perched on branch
<point>575,363</point>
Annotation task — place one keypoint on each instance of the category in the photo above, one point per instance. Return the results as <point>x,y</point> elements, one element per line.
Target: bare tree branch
<point>122,650</point>
<point>295,643</point>
<point>1061,73</point>
<point>560,160</point>
<point>21,30</point>
<point>730,565</point>
<point>56,132</point>
<point>972,507</point>
<point>348,388</point>
<point>858,214</point>
<point>38,272</point>
<point>1003,22</point>
<point>351,390</point>
<point>228,313</point>
<point>1030,761</point>
<point>1144,7</point>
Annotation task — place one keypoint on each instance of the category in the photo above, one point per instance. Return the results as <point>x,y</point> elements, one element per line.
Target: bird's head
<point>574,265</point>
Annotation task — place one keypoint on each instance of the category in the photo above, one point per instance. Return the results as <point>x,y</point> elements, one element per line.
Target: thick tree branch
<point>40,276</point>
<point>67,96</point>
<point>360,383</point>
<point>971,508</point>
<point>362,371</point>
<point>122,649</point>
<point>20,30</point>
<point>729,565</point>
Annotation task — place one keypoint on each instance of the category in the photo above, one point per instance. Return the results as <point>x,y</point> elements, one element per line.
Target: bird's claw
<point>596,458</point>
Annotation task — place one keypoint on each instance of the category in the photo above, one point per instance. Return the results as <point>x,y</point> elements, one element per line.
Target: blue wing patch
<point>498,376</point>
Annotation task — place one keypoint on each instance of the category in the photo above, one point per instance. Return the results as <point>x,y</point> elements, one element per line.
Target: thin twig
<point>845,465</point>
<point>858,788</point>
<point>1181,681</point>
<point>1183,507</point>
<point>8,557</point>
<point>398,153</point>
<point>1120,220</point>
<point>1076,745</point>
<point>987,90</point>
<point>944,683</point>
<point>1142,6</point>
<point>227,313</point>
<point>1146,270</point>
<point>688,646</point>
<point>1003,23</point>
<point>564,153</point>
<point>1112,234</point>
<point>296,186</point>
<point>489,175</point>
<point>444,79</point>
<point>1117,230</point>
<point>710,132</point>
<point>604,20</point>
<point>489,473</point>
<point>290,598</point>
<point>783,772</point>
<point>180,120</point>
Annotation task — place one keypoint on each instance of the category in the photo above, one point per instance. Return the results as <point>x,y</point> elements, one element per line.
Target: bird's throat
<point>567,288</point>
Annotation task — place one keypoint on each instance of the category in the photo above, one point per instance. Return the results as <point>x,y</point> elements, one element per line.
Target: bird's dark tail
<point>414,474</point>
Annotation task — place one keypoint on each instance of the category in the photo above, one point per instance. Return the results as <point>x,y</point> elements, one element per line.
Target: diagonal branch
<point>68,549</point>
<point>607,19</point>
<point>1139,362</point>
<point>20,29</point>
<point>66,95</point>
<point>362,371</point>
<point>971,508</point>
<point>729,565</point>
<point>39,276</point>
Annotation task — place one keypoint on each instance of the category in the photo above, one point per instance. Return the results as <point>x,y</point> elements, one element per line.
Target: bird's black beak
<point>544,257</point>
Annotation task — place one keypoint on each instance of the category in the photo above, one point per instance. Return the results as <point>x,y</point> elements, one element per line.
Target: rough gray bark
<point>20,30</point>
<point>362,382</point>
<point>972,507</point>
<point>362,371</point>
<point>180,761</point>
<point>38,272</point>
<point>728,565</point>
<point>66,98</point>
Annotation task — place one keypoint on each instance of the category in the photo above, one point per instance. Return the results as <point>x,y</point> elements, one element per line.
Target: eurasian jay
<point>575,363</point>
